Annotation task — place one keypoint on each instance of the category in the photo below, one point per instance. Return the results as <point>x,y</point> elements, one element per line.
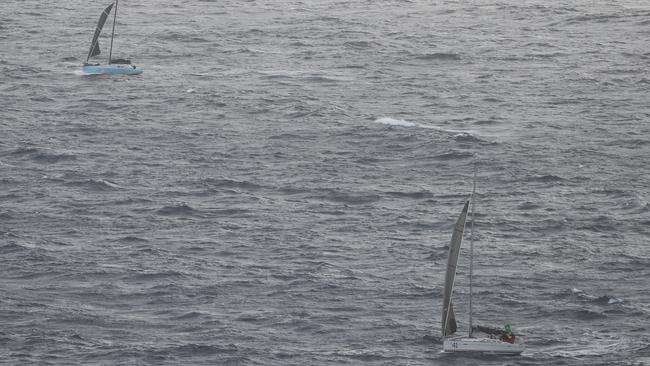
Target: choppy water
<point>279,186</point>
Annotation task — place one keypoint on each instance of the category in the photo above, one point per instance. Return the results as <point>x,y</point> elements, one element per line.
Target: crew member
<point>507,335</point>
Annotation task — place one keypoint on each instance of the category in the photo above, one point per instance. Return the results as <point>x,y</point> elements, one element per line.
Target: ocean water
<point>279,186</point>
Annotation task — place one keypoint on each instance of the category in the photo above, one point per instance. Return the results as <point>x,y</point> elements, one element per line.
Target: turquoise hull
<point>112,69</point>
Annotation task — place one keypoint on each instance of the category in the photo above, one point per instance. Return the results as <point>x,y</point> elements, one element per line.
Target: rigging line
<point>471,251</point>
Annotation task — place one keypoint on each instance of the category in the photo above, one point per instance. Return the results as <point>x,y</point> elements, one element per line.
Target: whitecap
<point>395,122</point>
<point>614,300</point>
<point>456,134</point>
<point>108,183</point>
<point>6,164</point>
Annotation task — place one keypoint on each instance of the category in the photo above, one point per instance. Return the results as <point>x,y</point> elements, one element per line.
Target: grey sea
<point>279,186</point>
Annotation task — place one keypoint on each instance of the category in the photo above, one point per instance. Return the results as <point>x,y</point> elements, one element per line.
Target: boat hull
<point>482,345</point>
<point>112,69</point>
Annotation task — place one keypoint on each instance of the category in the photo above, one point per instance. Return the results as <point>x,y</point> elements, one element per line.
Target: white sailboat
<point>114,66</point>
<point>506,343</point>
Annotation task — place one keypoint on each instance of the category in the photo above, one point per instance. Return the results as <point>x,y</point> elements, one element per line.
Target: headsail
<point>94,46</point>
<point>448,316</point>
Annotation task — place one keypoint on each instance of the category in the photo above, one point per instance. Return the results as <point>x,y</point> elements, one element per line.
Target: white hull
<point>482,345</point>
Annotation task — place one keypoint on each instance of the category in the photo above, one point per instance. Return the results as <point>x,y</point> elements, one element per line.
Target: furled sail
<point>448,316</point>
<point>94,46</point>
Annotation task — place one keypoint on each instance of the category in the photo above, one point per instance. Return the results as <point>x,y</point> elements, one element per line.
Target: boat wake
<point>596,344</point>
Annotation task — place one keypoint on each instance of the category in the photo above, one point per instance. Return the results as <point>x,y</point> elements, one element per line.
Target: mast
<point>110,52</point>
<point>471,251</point>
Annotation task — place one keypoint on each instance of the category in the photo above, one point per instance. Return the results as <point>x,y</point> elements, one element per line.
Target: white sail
<point>448,316</point>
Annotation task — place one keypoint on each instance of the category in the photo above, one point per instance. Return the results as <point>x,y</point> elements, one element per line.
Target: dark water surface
<point>279,186</point>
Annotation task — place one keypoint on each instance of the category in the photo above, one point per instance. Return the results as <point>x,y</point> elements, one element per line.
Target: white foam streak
<point>404,123</point>
<point>396,122</point>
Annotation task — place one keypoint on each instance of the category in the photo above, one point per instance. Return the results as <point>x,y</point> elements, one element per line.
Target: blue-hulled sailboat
<point>114,66</point>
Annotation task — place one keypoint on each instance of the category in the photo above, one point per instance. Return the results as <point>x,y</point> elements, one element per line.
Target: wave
<point>458,135</point>
<point>231,212</point>
<point>598,300</point>
<point>489,121</point>
<point>285,136</point>
<point>590,18</point>
<point>454,155</point>
<point>395,122</point>
<point>177,36</point>
<point>189,315</point>
<point>360,44</point>
<point>493,100</point>
<point>232,183</point>
<point>152,276</point>
<point>547,178</point>
<point>544,55</point>
<point>43,156</point>
<point>95,184</point>
<point>351,198</point>
<point>440,56</point>
<point>130,201</point>
<point>369,355</point>
<point>194,350</point>
<point>414,195</point>
<point>320,79</point>
<point>132,239</point>
<point>598,343</point>
<point>601,224</point>
<point>466,137</point>
<point>12,248</point>
<point>6,164</point>
<point>277,76</point>
<point>612,192</point>
<point>597,18</point>
<point>528,206</point>
<point>252,316</point>
<point>607,300</point>
<point>24,151</point>
<point>5,216</point>
<point>178,210</point>
<point>583,314</point>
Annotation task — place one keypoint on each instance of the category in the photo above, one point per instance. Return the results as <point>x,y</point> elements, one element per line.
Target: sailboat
<point>507,343</point>
<point>114,66</point>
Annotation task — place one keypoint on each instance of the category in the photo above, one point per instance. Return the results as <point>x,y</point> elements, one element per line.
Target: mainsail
<point>94,46</point>
<point>448,317</point>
